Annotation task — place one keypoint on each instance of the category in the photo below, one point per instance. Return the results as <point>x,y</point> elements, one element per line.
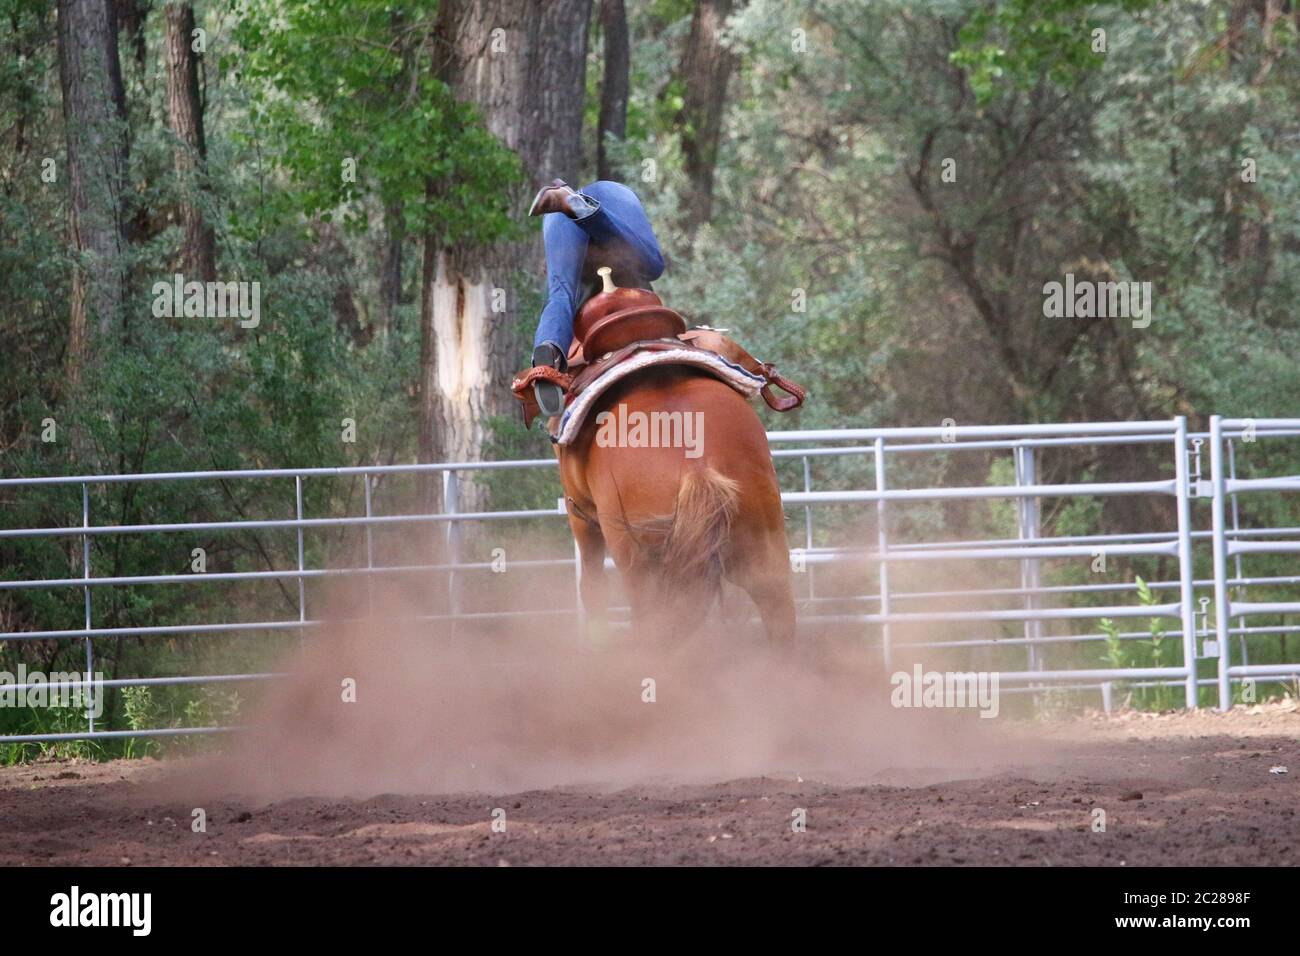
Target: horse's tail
<point>707,502</point>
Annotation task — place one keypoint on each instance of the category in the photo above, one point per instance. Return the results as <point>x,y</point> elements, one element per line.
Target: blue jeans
<point>618,234</point>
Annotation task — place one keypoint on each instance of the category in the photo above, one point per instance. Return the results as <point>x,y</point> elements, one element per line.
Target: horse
<point>679,521</point>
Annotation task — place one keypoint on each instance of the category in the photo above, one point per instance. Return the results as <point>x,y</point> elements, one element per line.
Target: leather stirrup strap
<point>523,381</point>
<point>795,393</point>
<point>522,386</point>
<point>715,341</point>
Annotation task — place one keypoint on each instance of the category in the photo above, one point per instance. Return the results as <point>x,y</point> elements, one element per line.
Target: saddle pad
<point>742,381</point>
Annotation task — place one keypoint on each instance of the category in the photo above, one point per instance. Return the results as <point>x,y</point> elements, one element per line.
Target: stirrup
<point>550,397</point>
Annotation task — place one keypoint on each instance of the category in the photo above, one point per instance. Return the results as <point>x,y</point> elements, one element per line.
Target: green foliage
<point>1024,42</point>
<point>1157,650</point>
<point>341,93</point>
<point>141,713</point>
<point>836,251</point>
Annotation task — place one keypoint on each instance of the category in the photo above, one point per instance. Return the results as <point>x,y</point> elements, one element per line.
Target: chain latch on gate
<point>1197,487</point>
<point>1209,646</point>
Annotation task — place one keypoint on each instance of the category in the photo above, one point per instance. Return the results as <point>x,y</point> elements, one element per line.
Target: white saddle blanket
<point>742,381</point>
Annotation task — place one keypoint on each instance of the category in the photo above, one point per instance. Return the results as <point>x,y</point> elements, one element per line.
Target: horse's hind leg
<point>775,600</point>
<point>593,589</point>
<point>767,582</point>
<point>662,616</point>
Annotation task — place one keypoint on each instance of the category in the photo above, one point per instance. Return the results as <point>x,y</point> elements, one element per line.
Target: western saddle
<point>617,323</point>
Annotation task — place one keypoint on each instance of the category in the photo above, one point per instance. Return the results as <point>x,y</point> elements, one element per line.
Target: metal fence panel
<point>873,446</point>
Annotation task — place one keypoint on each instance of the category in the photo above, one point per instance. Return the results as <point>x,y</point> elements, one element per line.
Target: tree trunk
<point>330,255</point>
<point>185,117</point>
<point>94,116</point>
<point>390,271</point>
<point>705,69</point>
<point>131,15</point>
<point>523,66</point>
<point>614,87</point>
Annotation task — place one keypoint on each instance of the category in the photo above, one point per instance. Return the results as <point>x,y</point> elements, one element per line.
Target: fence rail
<point>1225,541</point>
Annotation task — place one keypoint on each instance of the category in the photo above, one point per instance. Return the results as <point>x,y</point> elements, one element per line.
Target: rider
<point>601,225</point>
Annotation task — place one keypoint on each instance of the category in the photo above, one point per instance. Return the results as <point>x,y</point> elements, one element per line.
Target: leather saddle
<point>614,317</point>
<point>616,324</point>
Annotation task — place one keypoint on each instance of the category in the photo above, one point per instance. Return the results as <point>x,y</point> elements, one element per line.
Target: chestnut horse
<point>677,521</point>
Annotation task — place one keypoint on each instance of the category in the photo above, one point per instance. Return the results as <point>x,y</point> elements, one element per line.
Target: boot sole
<point>550,398</point>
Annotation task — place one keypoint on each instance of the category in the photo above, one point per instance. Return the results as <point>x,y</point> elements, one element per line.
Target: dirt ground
<point>1176,789</point>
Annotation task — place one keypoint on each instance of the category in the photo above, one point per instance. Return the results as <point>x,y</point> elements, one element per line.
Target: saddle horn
<point>615,317</point>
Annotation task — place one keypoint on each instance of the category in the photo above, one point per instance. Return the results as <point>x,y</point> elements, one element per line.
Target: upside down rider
<point>602,224</point>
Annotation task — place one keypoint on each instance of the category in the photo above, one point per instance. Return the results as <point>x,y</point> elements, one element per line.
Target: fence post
<point>1030,528</point>
<point>450,505</point>
<point>302,566</point>
<point>882,545</point>
<point>808,531</point>
<point>370,549</point>
<point>1220,560</point>
<point>1238,570</point>
<point>1186,565</point>
<point>90,641</point>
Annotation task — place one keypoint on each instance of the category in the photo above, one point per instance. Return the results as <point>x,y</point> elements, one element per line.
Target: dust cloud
<point>535,704</point>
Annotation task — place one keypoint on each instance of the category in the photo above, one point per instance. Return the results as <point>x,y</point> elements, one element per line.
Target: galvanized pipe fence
<point>1198,479</point>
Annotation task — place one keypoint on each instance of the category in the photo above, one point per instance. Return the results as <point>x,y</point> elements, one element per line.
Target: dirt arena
<point>391,741</point>
<point>1177,789</point>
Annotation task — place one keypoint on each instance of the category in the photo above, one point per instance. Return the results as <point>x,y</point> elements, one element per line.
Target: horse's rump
<point>689,545</point>
<point>678,520</point>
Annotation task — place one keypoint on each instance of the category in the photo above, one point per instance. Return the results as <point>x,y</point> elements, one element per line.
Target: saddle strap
<point>713,340</point>
<point>795,393</point>
<point>701,337</point>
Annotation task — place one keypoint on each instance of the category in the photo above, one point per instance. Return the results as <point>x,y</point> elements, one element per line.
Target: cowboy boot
<point>560,197</point>
<point>550,397</point>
